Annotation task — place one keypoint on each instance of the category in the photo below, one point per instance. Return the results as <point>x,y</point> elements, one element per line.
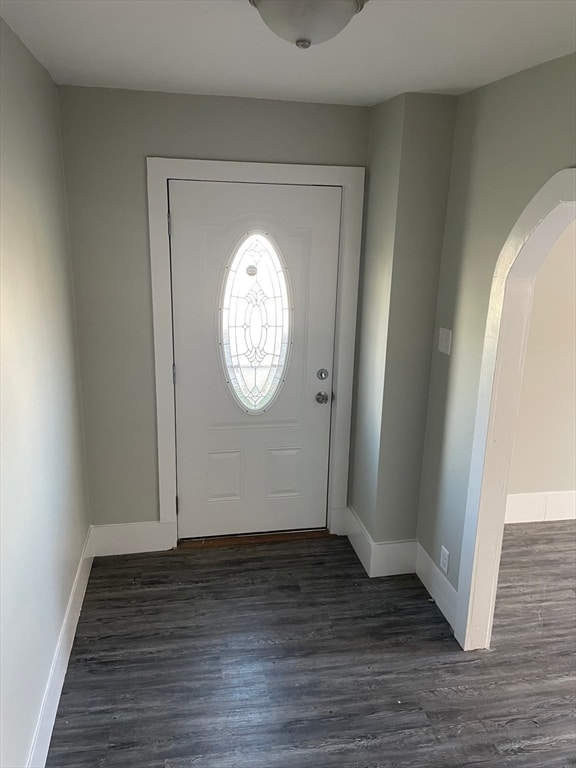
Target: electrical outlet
<point>445,341</point>
<point>444,557</point>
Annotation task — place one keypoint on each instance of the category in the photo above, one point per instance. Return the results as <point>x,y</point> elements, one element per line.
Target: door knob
<point>322,398</point>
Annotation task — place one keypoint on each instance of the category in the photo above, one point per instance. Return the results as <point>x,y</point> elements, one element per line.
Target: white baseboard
<point>131,538</point>
<point>45,724</point>
<point>379,558</point>
<point>539,507</point>
<point>437,584</point>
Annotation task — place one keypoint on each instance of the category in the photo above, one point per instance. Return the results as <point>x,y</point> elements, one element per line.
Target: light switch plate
<point>444,557</point>
<point>445,341</point>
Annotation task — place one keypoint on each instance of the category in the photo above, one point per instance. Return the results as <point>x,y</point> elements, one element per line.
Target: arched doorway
<point>540,225</point>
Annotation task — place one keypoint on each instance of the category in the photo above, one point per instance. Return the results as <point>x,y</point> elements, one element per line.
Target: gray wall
<point>386,128</point>
<point>43,509</point>
<point>544,456</point>
<point>511,137</point>
<point>107,136</point>
<point>409,171</point>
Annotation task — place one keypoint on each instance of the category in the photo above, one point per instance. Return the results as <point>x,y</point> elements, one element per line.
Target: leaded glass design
<point>255,323</point>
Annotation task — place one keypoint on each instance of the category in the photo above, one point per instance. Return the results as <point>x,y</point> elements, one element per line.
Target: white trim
<point>49,707</point>
<point>539,226</point>
<point>351,180</point>
<point>391,558</point>
<point>525,507</point>
<point>437,584</point>
<point>379,558</point>
<point>540,507</point>
<point>560,505</point>
<point>340,521</point>
<point>131,538</point>
<point>360,539</point>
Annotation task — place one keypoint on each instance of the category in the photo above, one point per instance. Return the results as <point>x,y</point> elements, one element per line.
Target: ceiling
<point>223,47</point>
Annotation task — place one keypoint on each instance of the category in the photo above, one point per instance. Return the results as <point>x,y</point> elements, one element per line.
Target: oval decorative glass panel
<point>255,327</point>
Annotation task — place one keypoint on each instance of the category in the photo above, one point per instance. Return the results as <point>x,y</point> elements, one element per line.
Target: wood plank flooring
<point>286,655</point>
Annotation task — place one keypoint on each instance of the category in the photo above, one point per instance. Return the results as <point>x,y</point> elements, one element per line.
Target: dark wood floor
<point>286,655</point>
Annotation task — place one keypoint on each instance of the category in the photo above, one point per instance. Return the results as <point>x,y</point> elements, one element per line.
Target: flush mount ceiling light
<point>307,22</point>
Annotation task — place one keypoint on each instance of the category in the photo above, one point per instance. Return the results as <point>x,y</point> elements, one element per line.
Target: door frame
<point>540,225</point>
<point>351,181</point>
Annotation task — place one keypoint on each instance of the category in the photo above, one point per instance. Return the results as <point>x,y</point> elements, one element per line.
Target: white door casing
<point>244,464</point>
<point>351,183</point>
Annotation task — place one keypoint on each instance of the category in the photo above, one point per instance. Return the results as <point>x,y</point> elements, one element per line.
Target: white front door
<point>254,272</point>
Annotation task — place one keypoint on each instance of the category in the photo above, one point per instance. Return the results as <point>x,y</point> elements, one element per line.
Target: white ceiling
<point>223,47</point>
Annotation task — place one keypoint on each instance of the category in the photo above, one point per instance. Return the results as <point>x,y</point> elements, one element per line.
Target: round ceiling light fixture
<point>307,22</point>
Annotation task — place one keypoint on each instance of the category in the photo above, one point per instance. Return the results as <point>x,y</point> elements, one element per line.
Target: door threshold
<point>255,538</point>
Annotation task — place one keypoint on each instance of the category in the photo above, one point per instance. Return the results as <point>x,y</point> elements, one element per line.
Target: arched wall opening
<point>540,225</point>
